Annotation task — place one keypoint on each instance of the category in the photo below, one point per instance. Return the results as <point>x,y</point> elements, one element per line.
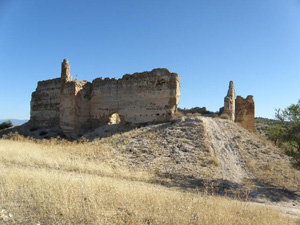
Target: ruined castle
<point>239,109</point>
<point>77,106</point>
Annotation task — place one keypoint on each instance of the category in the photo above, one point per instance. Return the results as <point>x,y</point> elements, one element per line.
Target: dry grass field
<point>122,179</point>
<point>54,184</point>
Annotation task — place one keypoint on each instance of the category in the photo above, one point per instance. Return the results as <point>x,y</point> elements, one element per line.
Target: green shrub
<point>290,131</point>
<point>5,124</point>
<point>275,133</point>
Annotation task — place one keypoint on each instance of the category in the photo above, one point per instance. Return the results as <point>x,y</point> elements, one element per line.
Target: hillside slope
<point>203,147</point>
<point>204,152</point>
<point>69,183</point>
<point>194,154</point>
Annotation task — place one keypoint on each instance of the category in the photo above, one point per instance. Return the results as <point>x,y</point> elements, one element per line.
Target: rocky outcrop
<point>245,112</point>
<point>77,106</point>
<point>229,102</point>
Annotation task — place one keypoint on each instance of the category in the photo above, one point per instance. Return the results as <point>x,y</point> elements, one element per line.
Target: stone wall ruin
<point>239,109</point>
<point>77,106</point>
<point>245,112</point>
<point>153,96</point>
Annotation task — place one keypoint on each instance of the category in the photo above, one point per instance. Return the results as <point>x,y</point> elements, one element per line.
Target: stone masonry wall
<point>77,106</point>
<point>138,98</point>
<point>45,104</point>
<point>245,112</point>
<point>238,109</point>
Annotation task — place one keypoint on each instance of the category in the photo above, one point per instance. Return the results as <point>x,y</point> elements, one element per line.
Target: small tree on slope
<point>5,124</point>
<point>290,118</point>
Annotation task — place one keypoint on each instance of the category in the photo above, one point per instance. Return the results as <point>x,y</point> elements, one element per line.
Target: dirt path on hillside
<point>220,139</point>
<point>224,145</point>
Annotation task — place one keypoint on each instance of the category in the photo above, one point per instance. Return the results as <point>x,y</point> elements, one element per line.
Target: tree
<point>5,124</point>
<point>276,133</point>
<point>290,118</point>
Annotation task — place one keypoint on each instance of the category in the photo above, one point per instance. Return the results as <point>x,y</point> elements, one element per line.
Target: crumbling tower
<point>239,109</point>
<point>65,73</point>
<point>67,104</point>
<point>229,102</point>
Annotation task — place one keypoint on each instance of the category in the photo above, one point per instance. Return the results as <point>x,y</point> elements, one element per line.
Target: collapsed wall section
<point>245,112</point>
<point>137,98</point>
<point>45,104</point>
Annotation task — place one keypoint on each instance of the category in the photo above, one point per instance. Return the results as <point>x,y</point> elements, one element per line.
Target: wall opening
<point>114,119</point>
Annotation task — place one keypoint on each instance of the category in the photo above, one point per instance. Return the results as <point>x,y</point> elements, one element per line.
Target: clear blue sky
<point>208,42</point>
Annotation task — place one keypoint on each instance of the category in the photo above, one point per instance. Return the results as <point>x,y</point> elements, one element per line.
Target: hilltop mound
<point>196,152</point>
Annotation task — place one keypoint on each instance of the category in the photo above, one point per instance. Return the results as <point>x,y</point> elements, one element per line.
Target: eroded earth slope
<point>210,154</point>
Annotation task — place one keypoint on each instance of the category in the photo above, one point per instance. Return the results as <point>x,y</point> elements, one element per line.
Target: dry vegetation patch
<point>178,147</point>
<point>37,192</point>
<point>116,180</point>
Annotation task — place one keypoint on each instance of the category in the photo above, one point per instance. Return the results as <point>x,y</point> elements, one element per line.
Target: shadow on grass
<point>257,190</point>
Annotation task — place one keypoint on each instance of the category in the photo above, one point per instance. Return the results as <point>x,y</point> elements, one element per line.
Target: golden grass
<point>69,157</point>
<point>82,184</point>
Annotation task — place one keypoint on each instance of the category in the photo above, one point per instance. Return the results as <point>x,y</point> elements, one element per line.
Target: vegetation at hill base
<point>285,133</point>
<point>5,124</point>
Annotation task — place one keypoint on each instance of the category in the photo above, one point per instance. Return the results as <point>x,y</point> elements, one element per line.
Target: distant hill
<point>15,122</point>
<point>262,124</point>
<point>269,122</point>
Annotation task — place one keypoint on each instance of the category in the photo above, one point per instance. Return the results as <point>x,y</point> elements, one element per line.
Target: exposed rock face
<point>229,102</point>
<point>81,105</point>
<point>245,112</point>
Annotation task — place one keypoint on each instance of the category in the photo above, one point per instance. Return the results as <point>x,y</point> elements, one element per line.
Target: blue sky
<point>208,42</point>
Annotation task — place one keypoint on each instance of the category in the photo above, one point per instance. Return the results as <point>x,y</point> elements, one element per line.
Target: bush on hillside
<point>275,133</point>
<point>5,124</point>
<point>289,131</point>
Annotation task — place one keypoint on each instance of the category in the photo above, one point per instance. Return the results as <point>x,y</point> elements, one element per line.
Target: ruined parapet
<point>229,102</point>
<point>78,106</point>
<point>245,112</point>
<point>151,96</point>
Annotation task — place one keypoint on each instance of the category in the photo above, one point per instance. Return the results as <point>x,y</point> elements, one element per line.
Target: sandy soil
<point>221,138</point>
<point>232,166</point>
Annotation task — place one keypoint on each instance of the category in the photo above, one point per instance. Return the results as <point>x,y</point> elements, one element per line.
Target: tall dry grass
<point>80,184</point>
